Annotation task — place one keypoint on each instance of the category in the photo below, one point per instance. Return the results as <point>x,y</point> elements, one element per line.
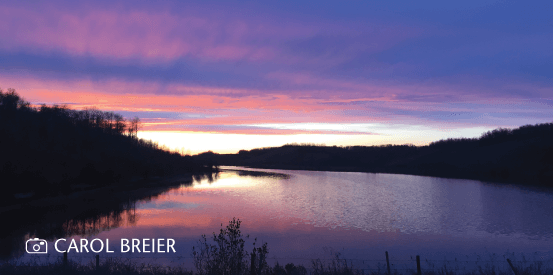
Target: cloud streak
<point>284,70</point>
<point>160,36</point>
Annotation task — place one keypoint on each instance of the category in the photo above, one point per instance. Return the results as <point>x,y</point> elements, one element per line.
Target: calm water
<point>304,215</point>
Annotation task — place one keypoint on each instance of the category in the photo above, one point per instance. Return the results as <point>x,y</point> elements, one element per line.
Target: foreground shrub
<point>226,255</point>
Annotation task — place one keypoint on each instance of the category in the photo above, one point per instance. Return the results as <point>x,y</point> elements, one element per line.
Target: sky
<point>231,75</point>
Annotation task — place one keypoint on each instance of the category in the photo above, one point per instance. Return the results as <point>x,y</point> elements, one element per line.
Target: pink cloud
<point>238,107</point>
<point>143,34</point>
<point>155,36</point>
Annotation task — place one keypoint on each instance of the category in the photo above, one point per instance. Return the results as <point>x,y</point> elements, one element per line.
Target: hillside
<point>52,149</point>
<point>522,155</point>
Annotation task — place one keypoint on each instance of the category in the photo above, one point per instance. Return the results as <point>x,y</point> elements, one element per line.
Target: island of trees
<point>523,155</point>
<point>48,150</point>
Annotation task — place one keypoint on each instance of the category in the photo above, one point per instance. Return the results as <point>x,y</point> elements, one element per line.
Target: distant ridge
<point>522,155</point>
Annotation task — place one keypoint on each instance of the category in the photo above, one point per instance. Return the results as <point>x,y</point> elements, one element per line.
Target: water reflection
<point>517,211</point>
<point>301,212</point>
<point>93,225</point>
<point>360,212</point>
<point>83,214</point>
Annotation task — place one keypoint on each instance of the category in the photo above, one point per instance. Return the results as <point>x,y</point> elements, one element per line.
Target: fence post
<point>512,267</point>
<point>97,261</point>
<point>387,262</point>
<point>252,266</point>
<point>419,265</point>
<point>65,259</point>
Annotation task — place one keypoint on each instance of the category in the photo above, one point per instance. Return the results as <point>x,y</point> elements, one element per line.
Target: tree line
<point>110,122</point>
<point>521,155</point>
<point>46,150</point>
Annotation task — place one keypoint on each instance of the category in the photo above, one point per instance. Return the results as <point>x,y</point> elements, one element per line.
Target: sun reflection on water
<point>225,180</point>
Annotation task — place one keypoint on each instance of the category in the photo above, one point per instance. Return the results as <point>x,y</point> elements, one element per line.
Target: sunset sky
<point>225,75</point>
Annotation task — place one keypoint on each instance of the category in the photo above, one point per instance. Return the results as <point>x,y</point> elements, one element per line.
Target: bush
<point>227,255</point>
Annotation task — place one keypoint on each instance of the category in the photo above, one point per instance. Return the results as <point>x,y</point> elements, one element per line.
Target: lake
<point>305,215</point>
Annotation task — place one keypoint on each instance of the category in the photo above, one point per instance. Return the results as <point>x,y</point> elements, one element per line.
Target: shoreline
<point>129,187</point>
<point>530,184</point>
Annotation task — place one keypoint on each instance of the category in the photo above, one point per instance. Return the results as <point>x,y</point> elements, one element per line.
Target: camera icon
<point>36,246</point>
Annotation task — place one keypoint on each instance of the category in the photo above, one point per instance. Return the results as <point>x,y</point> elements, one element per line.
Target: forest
<point>49,150</point>
<point>523,155</point>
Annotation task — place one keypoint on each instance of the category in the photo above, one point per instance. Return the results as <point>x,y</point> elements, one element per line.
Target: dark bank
<point>53,150</point>
<point>523,155</point>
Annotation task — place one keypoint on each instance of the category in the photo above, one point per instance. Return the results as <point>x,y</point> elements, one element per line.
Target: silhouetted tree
<point>10,101</point>
<point>119,124</point>
<point>132,129</point>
